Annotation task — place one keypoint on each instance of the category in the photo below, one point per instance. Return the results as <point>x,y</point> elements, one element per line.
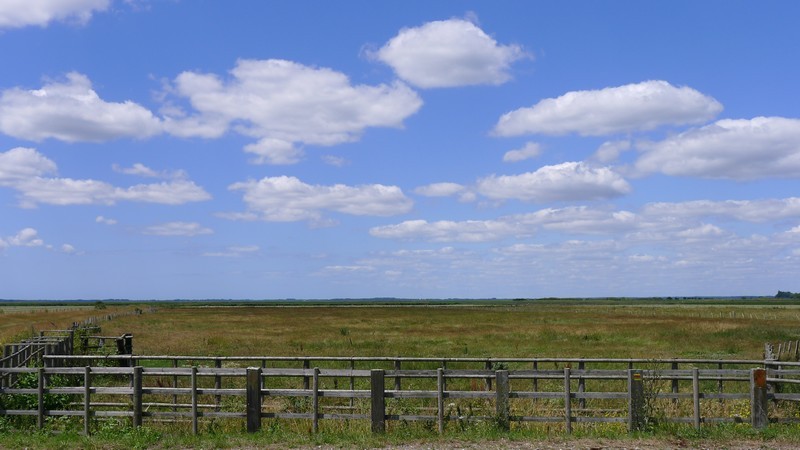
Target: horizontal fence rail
<point>157,388</point>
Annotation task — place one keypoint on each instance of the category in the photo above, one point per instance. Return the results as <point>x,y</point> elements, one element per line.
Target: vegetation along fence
<point>438,392</point>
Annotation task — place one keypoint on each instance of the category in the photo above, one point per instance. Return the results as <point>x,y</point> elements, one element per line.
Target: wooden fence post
<point>315,401</point>
<point>217,384</point>
<point>502,407</point>
<point>675,388</point>
<point>352,381</point>
<point>440,398</point>
<point>175,386</point>
<point>758,398</point>
<point>378,410</point>
<point>194,399</point>
<point>137,396</point>
<point>306,380</point>
<point>567,401</point>
<point>87,391</point>
<point>488,366</point>
<point>581,385</point>
<point>40,398</point>
<point>636,413</point>
<point>397,377</point>
<point>696,397</point>
<point>253,399</point>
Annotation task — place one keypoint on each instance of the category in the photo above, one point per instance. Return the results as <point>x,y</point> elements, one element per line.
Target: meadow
<point>725,329</point>
<point>512,329</point>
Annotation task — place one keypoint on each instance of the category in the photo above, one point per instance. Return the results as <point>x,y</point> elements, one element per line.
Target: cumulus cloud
<point>610,151</point>
<point>756,211</point>
<point>448,53</point>
<point>287,199</point>
<point>274,151</point>
<point>27,237</point>
<point>283,104</point>
<point>741,149</point>
<point>449,231</point>
<point>140,170</point>
<point>21,13</point>
<point>653,223</point>
<point>623,109</point>
<point>568,181</point>
<point>440,189</point>
<point>21,163</point>
<point>178,229</point>
<point>26,171</point>
<point>529,151</point>
<point>71,111</point>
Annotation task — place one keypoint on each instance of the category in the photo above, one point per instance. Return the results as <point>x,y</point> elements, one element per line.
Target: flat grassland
<point>732,329</point>
<point>622,329</point>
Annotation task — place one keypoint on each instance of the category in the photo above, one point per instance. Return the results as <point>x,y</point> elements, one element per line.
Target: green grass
<point>543,328</point>
<point>512,329</point>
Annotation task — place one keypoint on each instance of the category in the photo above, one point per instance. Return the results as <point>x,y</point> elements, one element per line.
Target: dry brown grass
<point>463,331</point>
<point>22,321</point>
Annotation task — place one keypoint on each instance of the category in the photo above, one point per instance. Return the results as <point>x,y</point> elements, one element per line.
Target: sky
<point>471,149</point>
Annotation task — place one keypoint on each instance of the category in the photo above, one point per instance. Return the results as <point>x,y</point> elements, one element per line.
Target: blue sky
<point>313,149</point>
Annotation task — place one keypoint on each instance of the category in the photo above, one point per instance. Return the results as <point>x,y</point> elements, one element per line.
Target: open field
<point>22,320</point>
<point>570,329</point>
<point>522,329</point>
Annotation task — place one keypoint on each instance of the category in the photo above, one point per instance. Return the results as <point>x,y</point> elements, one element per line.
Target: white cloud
<point>661,223</point>
<point>448,53</point>
<point>283,103</point>
<point>20,163</point>
<point>140,170</point>
<point>632,107</point>
<point>335,161</point>
<point>21,13</point>
<point>27,237</point>
<point>610,151</point>
<point>235,252</point>
<point>439,189</point>
<point>178,229</point>
<point>529,151</point>
<point>105,220</point>
<point>68,249</point>
<point>762,147</point>
<point>287,199</point>
<point>567,181</point>
<point>755,211</point>
<point>24,170</point>
<point>72,111</point>
<point>449,231</point>
<point>274,151</point>
<point>703,231</point>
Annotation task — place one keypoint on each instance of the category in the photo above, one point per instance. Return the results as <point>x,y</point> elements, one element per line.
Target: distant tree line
<point>787,294</point>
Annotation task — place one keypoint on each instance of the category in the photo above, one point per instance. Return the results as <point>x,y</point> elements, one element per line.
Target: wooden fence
<point>494,392</point>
